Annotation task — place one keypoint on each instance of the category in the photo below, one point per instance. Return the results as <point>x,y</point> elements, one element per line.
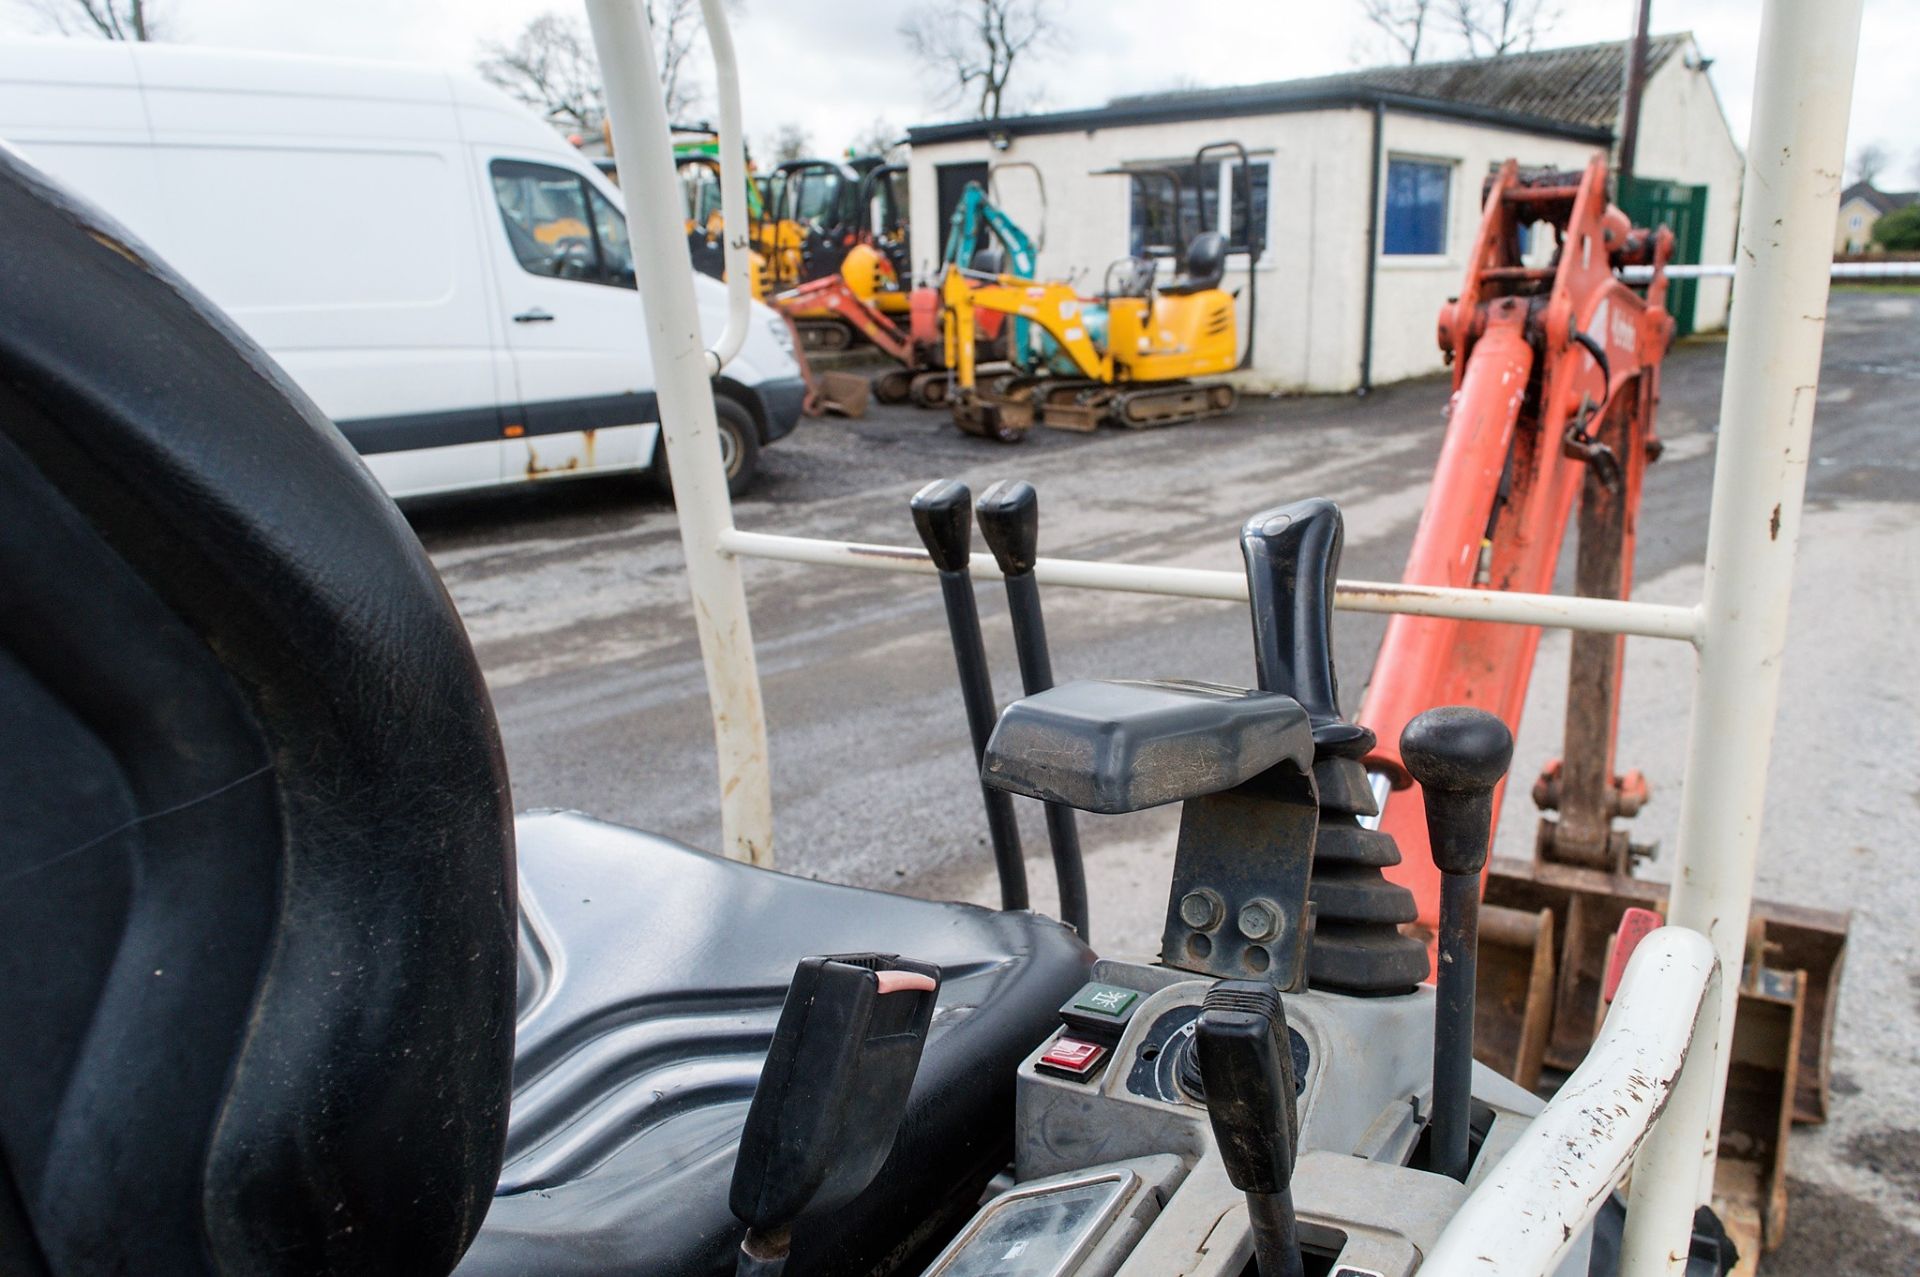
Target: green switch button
<point>1105,999</point>
<point>1099,1012</point>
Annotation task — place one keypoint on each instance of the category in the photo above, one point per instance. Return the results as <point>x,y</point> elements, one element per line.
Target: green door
<point>1683,209</point>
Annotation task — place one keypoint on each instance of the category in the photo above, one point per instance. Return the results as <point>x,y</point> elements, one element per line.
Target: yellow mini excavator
<point>1128,356</point>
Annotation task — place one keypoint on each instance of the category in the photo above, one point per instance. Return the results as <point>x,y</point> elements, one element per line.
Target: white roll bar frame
<point>1789,200</point>
<point>733,191</point>
<point>1554,1179</point>
<point>1723,270</point>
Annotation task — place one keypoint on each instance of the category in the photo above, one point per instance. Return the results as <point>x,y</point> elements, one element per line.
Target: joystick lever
<point>942,514</point>
<point>1009,515</point>
<point>1458,755</point>
<point>831,1096</point>
<point>1246,1066</point>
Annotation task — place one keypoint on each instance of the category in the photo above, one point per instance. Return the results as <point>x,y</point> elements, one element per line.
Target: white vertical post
<point>1803,90</point>
<point>664,270</point>
<point>1661,1200</point>
<point>733,188</point>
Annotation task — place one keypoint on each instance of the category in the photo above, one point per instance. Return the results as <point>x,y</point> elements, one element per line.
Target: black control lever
<point>831,1096</point>
<point>1247,1068</point>
<point>1293,560</point>
<point>1292,554</point>
<point>943,515</point>
<point>1009,514</point>
<point>1458,755</point>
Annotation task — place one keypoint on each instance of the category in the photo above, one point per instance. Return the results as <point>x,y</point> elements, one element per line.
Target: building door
<point>950,183</point>
<point>1682,209</point>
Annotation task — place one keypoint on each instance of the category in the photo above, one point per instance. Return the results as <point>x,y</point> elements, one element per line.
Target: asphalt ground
<point>574,596</point>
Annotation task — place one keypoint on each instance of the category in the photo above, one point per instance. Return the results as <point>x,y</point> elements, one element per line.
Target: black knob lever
<point>831,1096</point>
<point>1009,514</point>
<point>1458,755</point>
<point>1246,1066</point>
<point>1293,556</point>
<point>943,515</point>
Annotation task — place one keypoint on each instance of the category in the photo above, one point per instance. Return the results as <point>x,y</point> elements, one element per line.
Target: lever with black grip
<point>1246,1066</point>
<point>1009,515</point>
<point>943,515</point>
<point>1292,556</point>
<point>1459,756</point>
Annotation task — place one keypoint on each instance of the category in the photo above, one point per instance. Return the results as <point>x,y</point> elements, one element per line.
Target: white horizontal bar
<point>1553,611</point>
<point>1841,270</point>
<point>1526,1213</point>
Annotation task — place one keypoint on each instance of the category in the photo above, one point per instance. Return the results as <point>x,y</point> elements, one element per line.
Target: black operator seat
<point>259,938</point>
<point>1206,265</point>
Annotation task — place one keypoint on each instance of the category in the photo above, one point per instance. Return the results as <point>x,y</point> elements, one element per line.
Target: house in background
<point>1861,205</point>
<point>1368,185</point>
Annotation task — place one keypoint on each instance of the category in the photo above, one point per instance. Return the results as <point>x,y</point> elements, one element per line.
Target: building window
<point>1156,229</point>
<point>1416,215</point>
<point>1854,222</point>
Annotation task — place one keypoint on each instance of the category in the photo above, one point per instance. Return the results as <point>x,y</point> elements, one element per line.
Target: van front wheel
<point>739,448</point>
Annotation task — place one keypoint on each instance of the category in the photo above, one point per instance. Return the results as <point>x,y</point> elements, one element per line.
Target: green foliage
<point>1899,231</point>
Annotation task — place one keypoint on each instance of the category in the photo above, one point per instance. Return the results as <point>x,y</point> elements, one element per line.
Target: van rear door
<point>573,323</point>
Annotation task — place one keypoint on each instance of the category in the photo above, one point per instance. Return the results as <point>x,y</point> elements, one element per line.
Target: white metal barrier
<point>1723,270</point>
<point>1790,198</point>
<point>1527,1213</point>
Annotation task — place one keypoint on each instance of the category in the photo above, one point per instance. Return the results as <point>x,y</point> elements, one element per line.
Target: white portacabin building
<point>1348,293</point>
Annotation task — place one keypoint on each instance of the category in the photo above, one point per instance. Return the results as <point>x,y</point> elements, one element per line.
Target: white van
<point>436,267</point>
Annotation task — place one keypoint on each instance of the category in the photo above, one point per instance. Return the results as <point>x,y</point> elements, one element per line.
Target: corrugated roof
<point>1573,91</point>
<point>1578,85</point>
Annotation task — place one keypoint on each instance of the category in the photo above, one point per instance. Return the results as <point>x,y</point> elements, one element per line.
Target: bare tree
<point>1495,28</point>
<point>1869,162</point>
<point>789,142</point>
<point>110,19</point>
<point>975,45</point>
<point>551,65</point>
<point>878,138</point>
<point>676,25</point>
<point>1402,21</point>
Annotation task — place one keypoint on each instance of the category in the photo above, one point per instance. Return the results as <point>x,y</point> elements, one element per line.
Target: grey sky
<point>834,66</point>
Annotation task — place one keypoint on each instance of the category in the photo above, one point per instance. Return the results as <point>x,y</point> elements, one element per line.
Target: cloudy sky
<point>836,66</point>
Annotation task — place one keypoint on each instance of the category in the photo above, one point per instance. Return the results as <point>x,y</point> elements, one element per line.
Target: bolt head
<point>1200,910</point>
<point>1260,920</point>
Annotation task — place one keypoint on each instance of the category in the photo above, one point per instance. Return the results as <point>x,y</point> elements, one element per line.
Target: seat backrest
<point>257,911</point>
<point>991,260</point>
<point>1206,261</point>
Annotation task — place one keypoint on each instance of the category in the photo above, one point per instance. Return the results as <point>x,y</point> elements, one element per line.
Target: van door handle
<point>535,316</point>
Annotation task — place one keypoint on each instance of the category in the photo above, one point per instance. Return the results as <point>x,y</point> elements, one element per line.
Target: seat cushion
<point>651,978</point>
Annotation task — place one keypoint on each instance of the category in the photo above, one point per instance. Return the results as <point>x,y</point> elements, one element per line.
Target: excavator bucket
<point>1513,1003</point>
<point>1541,975</point>
<point>1004,420</point>
<point>1578,910</point>
<point>844,394</point>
